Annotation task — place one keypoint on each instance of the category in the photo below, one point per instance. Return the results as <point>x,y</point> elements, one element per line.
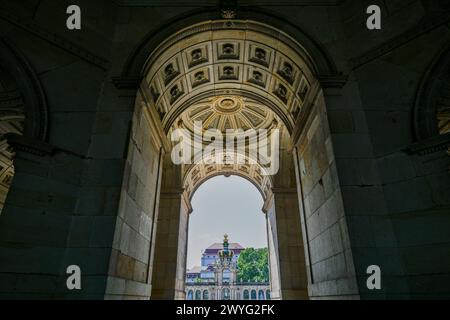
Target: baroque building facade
<point>87,118</point>
<point>216,278</point>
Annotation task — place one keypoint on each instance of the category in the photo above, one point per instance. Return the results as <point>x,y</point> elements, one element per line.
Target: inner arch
<point>221,206</point>
<point>197,174</point>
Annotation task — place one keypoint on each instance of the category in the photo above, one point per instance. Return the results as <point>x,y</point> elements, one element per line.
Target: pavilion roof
<point>219,246</point>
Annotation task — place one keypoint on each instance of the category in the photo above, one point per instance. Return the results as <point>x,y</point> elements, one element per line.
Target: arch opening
<point>244,81</point>
<point>229,205</point>
<point>230,75</point>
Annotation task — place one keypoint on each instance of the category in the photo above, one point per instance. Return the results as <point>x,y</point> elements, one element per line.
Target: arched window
<point>253,296</point>
<point>267,294</point>
<point>225,294</point>
<point>198,295</point>
<point>205,295</point>
<point>190,295</point>
<point>246,295</point>
<point>261,295</point>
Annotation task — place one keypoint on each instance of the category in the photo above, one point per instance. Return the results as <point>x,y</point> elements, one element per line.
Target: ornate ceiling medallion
<point>228,105</point>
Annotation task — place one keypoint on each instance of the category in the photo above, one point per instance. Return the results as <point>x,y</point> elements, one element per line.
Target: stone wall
<point>398,198</point>
<point>63,203</point>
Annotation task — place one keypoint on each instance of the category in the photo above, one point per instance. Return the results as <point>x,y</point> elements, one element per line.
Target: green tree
<point>253,265</point>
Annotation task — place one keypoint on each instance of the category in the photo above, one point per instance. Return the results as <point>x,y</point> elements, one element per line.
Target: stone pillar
<point>131,262</point>
<point>171,237</point>
<point>34,227</point>
<point>293,281</point>
<point>50,223</point>
<point>272,243</point>
<point>329,256</point>
<point>284,207</point>
<point>352,182</point>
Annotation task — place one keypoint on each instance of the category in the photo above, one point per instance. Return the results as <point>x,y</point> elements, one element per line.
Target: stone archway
<point>23,111</point>
<point>272,83</point>
<point>263,74</point>
<point>199,174</point>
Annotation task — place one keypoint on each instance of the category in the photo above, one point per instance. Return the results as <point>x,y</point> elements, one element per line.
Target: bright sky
<point>225,205</point>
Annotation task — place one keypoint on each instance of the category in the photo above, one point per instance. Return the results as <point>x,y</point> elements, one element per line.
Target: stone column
<point>364,234</point>
<point>50,222</point>
<point>284,207</point>
<point>35,226</point>
<point>131,262</point>
<point>292,265</point>
<point>171,236</point>
<point>272,243</point>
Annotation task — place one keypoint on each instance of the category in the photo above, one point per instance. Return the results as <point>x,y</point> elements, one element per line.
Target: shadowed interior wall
<point>130,272</point>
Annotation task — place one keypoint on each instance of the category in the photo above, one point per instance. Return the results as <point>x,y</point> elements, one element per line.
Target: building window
<point>190,295</point>
<point>198,295</point>
<point>205,295</point>
<point>225,294</point>
<point>267,294</point>
<point>261,295</point>
<point>253,295</point>
<point>246,295</point>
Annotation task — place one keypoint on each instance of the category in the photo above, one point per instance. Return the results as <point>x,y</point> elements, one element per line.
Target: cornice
<point>431,145</point>
<point>32,146</point>
<point>268,3</point>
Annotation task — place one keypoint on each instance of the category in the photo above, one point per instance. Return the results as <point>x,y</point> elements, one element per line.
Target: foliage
<point>253,265</point>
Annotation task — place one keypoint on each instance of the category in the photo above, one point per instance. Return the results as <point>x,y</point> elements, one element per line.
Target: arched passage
<point>226,75</point>
<point>238,75</point>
